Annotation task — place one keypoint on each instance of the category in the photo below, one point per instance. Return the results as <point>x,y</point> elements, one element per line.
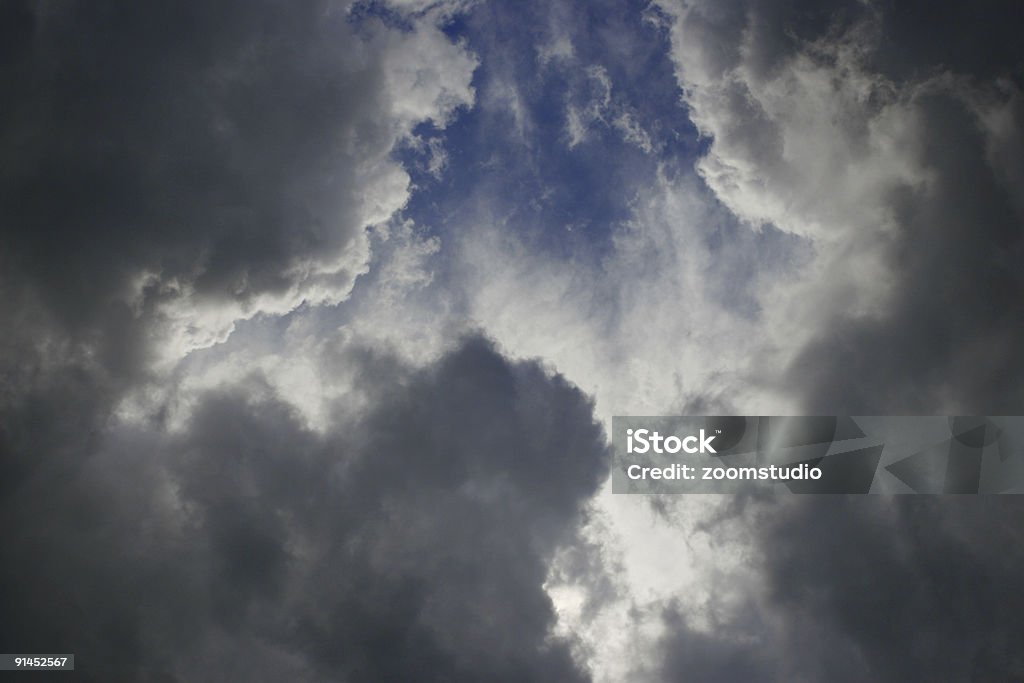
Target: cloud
<point>920,587</point>
<point>845,127</point>
<point>356,491</point>
<point>590,104</point>
<point>886,161</point>
<point>166,177</point>
<point>409,541</point>
<point>856,588</point>
<point>911,615</point>
<point>664,320</point>
<point>194,166</point>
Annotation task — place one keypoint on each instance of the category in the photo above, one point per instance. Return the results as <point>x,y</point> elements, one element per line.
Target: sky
<point>315,315</point>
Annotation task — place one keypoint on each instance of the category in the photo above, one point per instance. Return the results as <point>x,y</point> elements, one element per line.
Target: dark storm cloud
<point>735,652</point>
<point>918,38</point>
<point>159,165</point>
<point>162,165</point>
<point>923,588</point>
<point>184,161</point>
<point>222,155</point>
<point>864,588</point>
<point>977,39</point>
<point>411,542</point>
<point>950,337</point>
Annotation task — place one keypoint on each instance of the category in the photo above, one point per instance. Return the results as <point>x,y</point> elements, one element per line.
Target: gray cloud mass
<point>409,545</point>
<point>169,171</point>
<point>188,166</point>
<point>885,135</point>
<point>868,589</point>
<point>194,165</point>
<point>902,162</point>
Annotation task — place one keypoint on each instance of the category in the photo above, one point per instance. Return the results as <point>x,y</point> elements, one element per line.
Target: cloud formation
<point>854,589</point>
<point>901,168</point>
<point>171,172</point>
<point>688,207</point>
<point>409,542</point>
<point>193,166</point>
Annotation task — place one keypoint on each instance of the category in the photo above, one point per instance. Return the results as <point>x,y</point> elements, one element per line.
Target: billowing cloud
<point>411,541</point>
<point>899,168</point>
<point>690,207</point>
<point>902,168</point>
<point>663,321</point>
<point>198,165</point>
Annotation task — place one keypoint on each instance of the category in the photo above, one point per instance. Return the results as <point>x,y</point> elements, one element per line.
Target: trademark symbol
<point>718,431</point>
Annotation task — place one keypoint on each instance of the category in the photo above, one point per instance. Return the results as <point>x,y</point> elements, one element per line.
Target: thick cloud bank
<point>168,172</point>
<point>196,164</point>
<point>851,589</point>
<point>244,435</point>
<point>410,542</point>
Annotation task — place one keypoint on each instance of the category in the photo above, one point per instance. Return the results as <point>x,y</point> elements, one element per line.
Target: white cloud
<point>559,48</point>
<point>645,328</point>
<point>590,103</point>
